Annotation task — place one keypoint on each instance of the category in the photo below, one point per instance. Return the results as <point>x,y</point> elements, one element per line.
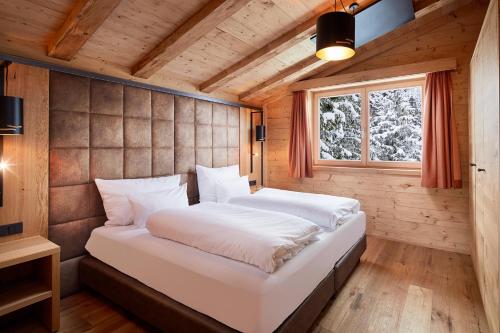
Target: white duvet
<point>257,237</point>
<point>324,210</point>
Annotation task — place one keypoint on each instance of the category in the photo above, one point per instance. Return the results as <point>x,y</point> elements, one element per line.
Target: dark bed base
<point>169,315</point>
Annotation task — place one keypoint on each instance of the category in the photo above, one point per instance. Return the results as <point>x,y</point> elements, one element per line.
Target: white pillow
<point>207,177</point>
<point>231,188</point>
<point>145,204</point>
<point>114,195</point>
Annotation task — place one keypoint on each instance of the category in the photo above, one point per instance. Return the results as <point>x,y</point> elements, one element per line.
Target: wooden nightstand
<point>29,275</point>
<point>256,188</point>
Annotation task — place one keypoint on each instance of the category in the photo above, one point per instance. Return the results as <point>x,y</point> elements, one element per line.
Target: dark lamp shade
<point>260,133</point>
<point>335,36</point>
<point>11,115</point>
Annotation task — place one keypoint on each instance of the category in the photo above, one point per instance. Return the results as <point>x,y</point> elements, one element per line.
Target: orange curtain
<point>299,149</point>
<point>440,155</point>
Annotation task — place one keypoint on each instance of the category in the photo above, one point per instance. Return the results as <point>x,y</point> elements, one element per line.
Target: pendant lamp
<point>335,35</point>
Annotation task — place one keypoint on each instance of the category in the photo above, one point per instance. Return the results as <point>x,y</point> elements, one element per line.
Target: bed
<point>179,288</point>
<point>225,185</point>
<point>77,207</point>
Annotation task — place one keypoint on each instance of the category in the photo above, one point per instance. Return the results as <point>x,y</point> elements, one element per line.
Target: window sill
<point>371,170</point>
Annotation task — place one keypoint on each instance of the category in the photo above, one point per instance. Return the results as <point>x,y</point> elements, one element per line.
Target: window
<point>340,127</point>
<point>370,126</point>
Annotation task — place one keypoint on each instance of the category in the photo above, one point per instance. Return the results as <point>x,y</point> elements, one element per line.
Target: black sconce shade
<point>260,133</point>
<point>335,36</point>
<point>11,115</point>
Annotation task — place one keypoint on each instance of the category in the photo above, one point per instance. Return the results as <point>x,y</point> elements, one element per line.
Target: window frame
<point>363,90</point>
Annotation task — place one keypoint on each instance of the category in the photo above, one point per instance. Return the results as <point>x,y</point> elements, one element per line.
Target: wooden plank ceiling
<point>231,49</point>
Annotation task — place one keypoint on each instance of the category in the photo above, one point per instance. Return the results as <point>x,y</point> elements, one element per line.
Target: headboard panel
<point>100,129</point>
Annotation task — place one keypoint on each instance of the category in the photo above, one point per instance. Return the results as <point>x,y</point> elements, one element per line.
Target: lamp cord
<point>342,3</point>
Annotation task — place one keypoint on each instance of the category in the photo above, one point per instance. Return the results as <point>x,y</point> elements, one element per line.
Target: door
<point>485,188</point>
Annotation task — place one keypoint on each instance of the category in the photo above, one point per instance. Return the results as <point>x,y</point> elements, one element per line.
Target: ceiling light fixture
<point>335,34</point>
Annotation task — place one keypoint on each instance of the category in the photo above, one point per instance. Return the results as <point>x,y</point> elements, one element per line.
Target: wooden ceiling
<point>229,49</point>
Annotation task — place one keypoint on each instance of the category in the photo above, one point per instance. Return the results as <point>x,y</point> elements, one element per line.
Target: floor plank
<point>396,288</point>
<point>417,312</point>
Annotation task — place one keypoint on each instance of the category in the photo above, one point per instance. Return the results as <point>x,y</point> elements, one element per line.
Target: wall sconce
<point>11,119</point>
<point>11,115</point>
<point>260,136</point>
<point>260,133</point>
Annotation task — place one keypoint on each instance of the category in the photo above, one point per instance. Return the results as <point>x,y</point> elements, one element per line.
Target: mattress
<point>238,295</point>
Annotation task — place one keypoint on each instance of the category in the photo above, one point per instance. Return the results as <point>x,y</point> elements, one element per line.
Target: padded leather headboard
<point>107,130</point>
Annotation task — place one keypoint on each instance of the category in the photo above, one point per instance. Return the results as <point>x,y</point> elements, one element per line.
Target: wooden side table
<point>29,275</point>
<point>256,188</point>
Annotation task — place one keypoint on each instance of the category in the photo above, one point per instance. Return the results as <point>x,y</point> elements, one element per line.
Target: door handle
<point>481,170</point>
<point>472,164</point>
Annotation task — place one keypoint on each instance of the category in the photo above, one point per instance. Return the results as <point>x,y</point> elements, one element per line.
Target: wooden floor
<point>405,288</point>
<point>396,288</point>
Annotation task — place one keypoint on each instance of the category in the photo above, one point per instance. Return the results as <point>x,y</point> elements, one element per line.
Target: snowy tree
<point>396,124</point>
<point>340,127</point>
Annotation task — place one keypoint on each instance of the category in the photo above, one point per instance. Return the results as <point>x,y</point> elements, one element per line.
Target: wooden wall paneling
<point>396,206</point>
<point>485,177</point>
<point>26,180</point>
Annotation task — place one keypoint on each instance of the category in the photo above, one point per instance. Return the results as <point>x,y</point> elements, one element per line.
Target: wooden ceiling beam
<point>188,33</point>
<point>440,15</point>
<point>269,51</point>
<point>82,22</point>
<point>287,75</point>
<point>445,64</point>
<point>272,49</point>
<point>421,4</point>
